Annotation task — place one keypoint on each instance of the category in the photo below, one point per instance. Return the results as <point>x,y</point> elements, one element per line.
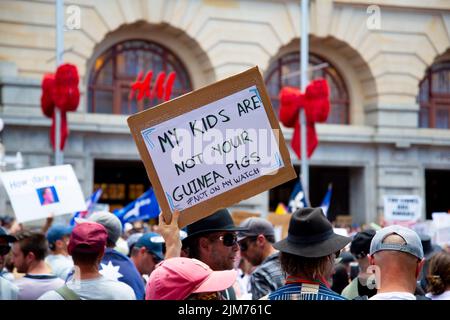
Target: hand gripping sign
<point>213,147</point>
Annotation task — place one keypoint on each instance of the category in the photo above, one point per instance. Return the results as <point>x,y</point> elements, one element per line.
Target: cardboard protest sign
<point>213,147</point>
<point>441,226</point>
<point>35,193</point>
<point>280,223</point>
<point>404,208</point>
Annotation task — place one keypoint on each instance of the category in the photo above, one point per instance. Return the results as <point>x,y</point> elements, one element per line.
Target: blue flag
<point>143,208</point>
<point>90,204</point>
<point>297,199</point>
<point>326,200</point>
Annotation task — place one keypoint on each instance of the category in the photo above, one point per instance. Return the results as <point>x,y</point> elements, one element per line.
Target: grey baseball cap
<point>412,245</point>
<point>255,226</point>
<point>111,223</point>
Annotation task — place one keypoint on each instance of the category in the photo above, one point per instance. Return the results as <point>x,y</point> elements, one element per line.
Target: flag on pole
<point>90,204</point>
<point>326,200</point>
<point>281,209</point>
<point>297,199</point>
<point>143,208</point>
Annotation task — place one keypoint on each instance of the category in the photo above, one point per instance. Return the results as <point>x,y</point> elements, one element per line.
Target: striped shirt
<point>304,290</point>
<point>267,277</point>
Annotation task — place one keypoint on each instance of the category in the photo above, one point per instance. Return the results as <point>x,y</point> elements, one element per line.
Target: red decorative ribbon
<point>316,103</point>
<point>60,90</point>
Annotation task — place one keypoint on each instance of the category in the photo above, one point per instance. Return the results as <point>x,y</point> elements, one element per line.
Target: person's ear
<point>371,260</point>
<point>59,243</point>
<point>142,250</point>
<point>260,240</point>
<point>30,257</point>
<point>419,267</point>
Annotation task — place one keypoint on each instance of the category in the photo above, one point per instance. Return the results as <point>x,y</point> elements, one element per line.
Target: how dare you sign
<point>213,147</point>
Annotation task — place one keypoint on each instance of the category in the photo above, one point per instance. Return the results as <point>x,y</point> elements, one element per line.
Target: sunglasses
<point>228,239</point>
<point>4,250</point>
<point>243,244</point>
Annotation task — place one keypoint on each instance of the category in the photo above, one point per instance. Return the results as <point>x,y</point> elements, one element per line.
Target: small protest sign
<point>213,147</point>
<point>37,193</point>
<point>402,208</point>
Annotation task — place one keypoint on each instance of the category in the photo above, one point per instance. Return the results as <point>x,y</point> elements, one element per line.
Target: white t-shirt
<point>32,286</point>
<point>61,265</point>
<point>393,296</point>
<point>100,288</point>
<point>443,296</point>
<point>8,290</point>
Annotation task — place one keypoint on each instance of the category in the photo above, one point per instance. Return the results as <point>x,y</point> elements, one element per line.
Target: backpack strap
<point>67,293</point>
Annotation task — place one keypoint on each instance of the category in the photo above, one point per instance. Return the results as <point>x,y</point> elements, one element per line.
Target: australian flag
<point>143,208</point>
<point>326,200</point>
<point>297,199</point>
<point>90,204</point>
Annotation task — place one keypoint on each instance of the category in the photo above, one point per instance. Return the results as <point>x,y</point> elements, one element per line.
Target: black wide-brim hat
<point>311,235</point>
<point>219,221</point>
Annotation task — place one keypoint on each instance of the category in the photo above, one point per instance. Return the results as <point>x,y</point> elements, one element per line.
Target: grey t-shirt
<point>100,288</point>
<point>32,286</point>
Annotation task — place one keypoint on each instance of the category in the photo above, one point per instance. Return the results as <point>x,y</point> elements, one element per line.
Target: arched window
<point>114,71</point>
<point>434,97</point>
<point>285,72</point>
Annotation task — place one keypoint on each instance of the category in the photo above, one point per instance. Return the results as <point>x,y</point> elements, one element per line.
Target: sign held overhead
<point>37,193</point>
<point>213,147</point>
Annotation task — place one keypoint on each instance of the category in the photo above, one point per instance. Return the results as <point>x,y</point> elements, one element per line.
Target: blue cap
<point>58,231</point>
<point>412,244</point>
<point>153,242</point>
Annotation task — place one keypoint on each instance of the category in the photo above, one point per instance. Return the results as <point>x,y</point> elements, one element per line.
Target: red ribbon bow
<point>316,104</point>
<point>60,90</point>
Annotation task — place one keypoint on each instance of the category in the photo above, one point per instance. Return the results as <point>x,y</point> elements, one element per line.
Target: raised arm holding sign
<point>213,147</point>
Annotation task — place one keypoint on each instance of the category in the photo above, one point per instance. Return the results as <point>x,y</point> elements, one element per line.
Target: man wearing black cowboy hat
<point>213,240</point>
<point>307,256</point>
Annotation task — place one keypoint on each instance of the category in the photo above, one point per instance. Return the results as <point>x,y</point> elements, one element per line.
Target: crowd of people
<point>214,259</point>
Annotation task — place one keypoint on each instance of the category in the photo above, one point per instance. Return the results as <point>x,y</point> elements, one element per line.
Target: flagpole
<point>59,155</point>
<point>304,177</point>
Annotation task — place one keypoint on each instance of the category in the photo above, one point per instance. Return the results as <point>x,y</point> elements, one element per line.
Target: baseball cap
<point>360,245</point>
<point>153,242</point>
<point>110,222</point>
<point>177,278</point>
<point>412,241</point>
<point>56,232</point>
<point>255,226</point>
<point>6,236</point>
<point>87,237</point>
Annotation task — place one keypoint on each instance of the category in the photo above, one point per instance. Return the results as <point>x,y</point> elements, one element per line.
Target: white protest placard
<point>402,208</point>
<point>36,193</point>
<point>192,172</point>
<point>441,225</point>
<point>213,147</point>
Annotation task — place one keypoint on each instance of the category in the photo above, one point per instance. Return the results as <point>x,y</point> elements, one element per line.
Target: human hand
<point>171,234</point>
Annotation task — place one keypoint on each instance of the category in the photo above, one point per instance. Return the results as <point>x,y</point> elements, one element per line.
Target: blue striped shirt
<point>304,291</point>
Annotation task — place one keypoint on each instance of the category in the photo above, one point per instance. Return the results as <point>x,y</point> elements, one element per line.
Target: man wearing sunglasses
<point>213,240</point>
<point>8,291</point>
<point>256,247</point>
<point>147,253</point>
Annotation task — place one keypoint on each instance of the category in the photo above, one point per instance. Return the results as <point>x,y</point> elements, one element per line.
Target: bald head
<point>398,269</point>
